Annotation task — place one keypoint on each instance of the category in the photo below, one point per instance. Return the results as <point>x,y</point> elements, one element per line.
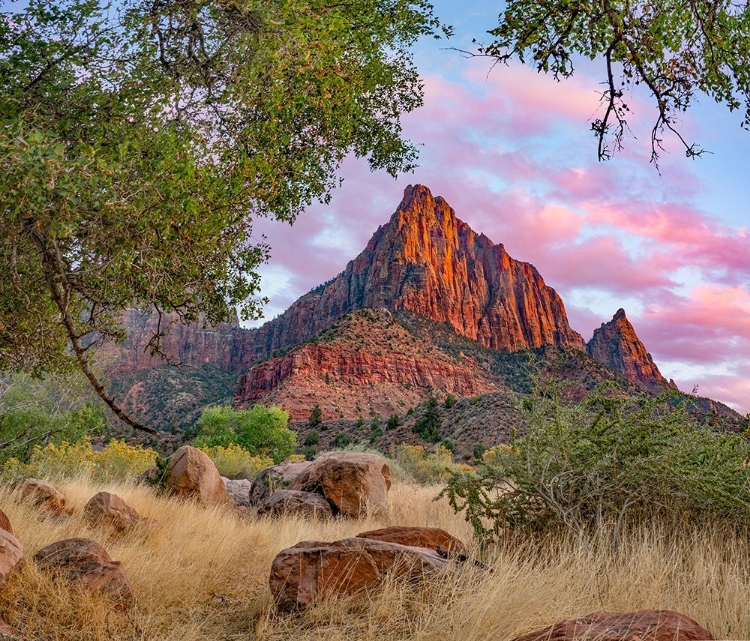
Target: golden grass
<point>202,574</point>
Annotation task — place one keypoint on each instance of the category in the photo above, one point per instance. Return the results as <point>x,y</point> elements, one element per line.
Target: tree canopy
<point>676,49</point>
<point>139,140</point>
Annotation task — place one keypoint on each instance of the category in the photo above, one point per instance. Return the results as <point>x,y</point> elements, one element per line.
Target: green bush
<point>393,422</point>
<point>428,425</point>
<point>311,439</point>
<point>234,461</point>
<point>341,440</point>
<point>262,431</point>
<point>608,459</point>
<point>316,416</point>
<point>431,468</point>
<point>450,401</point>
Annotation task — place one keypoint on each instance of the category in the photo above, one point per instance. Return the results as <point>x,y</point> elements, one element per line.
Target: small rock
<point>276,477</point>
<point>86,563</point>
<point>421,537</point>
<point>296,503</point>
<point>42,494</point>
<point>646,625</point>
<point>238,490</point>
<point>109,509</point>
<point>353,483</point>
<point>190,473</point>
<point>313,569</point>
<point>9,633</point>
<point>11,555</point>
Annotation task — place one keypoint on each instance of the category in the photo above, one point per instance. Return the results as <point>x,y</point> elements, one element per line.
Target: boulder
<point>238,491</point>
<point>276,477</point>
<point>646,625</point>
<point>313,570</point>
<point>190,473</point>
<point>352,482</point>
<point>296,503</point>
<point>109,509</point>
<point>11,555</point>
<point>5,523</point>
<point>42,494</point>
<point>421,537</point>
<point>86,563</point>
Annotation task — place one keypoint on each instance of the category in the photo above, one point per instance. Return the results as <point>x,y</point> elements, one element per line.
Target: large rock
<point>276,477</point>
<point>296,503</point>
<point>86,563</point>
<point>646,625</point>
<point>110,510</point>
<point>41,494</point>
<point>421,537</point>
<point>312,570</point>
<point>5,523</point>
<point>190,473</point>
<point>11,555</point>
<point>238,491</point>
<point>352,482</point>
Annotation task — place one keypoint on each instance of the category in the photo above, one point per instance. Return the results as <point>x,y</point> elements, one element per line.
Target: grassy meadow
<point>202,574</point>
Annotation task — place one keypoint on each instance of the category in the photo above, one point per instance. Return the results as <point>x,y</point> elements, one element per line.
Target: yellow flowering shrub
<point>116,461</point>
<point>490,456</point>
<point>295,458</point>
<point>234,461</point>
<point>434,467</point>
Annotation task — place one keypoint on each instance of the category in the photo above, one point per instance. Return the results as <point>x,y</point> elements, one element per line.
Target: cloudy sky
<point>512,152</point>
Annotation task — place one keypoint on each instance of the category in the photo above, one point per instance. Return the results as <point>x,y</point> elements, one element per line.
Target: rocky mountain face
<point>367,364</point>
<point>424,263</point>
<point>616,345</point>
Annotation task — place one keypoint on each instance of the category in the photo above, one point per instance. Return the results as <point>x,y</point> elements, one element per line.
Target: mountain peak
<point>617,346</point>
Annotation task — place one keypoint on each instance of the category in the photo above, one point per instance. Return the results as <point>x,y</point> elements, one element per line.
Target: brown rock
<point>616,345</point>
<point>5,523</point>
<point>190,473</point>
<point>646,625</point>
<point>353,483</point>
<point>296,503</point>
<point>11,555</point>
<point>313,569</point>
<point>421,537</point>
<point>8,632</point>
<point>238,491</point>
<point>109,509</point>
<point>86,563</point>
<point>42,494</point>
<point>276,477</point>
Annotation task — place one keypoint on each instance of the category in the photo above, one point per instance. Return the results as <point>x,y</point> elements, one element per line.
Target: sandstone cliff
<point>616,345</point>
<point>367,364</point>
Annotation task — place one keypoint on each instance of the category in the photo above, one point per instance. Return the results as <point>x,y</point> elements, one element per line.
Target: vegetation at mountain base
<point>140,141</point>
<point>609,459</point>
<point>261,431</point>
<point>675,50</point>
<point>234,461</point>
<point>316,417</point>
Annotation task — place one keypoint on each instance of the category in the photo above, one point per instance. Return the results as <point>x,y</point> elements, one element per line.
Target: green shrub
<point>431,468</point>
<point>393,422</point>
<point>316,416</point>
<point>360,423</point>
<point>311,439</point>
<point>375,434</point>
<point>234,461</point>
<point>447,444</point>
<point>341,440</point>
<point>608,459</point>
<point>479,450</point>
<point>450,401</point>
<point>262,431</point>
<point>428,425</point>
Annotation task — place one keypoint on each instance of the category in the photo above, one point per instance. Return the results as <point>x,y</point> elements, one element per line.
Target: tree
<point>260,430</point>
<point>140,139</point>
<point>316,416</point>
<point>674,48</point>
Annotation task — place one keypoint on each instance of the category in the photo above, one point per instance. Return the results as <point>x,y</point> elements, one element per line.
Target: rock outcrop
<point>105,508</point>
<point>42,494</point>
<point>5,523</point>
<point>314,570</point>
<point>238,491</point>
<point>276,477</point>
<point>646,625</point>
<point>11,555</point>
<point>616,345</point>
<point>296,503</point>
<point>354,484</point>
<point>191,474</point>
<point>86,563</point>
<point>422,537</point>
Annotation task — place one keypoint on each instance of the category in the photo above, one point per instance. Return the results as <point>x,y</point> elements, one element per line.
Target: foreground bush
<point>235,461</point>
<point>117,461</point>
<point>610,459</point>
<point>435,467</point>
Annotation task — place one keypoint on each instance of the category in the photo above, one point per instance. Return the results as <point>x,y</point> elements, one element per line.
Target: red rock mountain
<point>424,261</point>
<point>616,345</point>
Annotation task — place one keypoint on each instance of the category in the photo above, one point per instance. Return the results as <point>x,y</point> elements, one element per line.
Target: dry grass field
<point>202,574</point>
